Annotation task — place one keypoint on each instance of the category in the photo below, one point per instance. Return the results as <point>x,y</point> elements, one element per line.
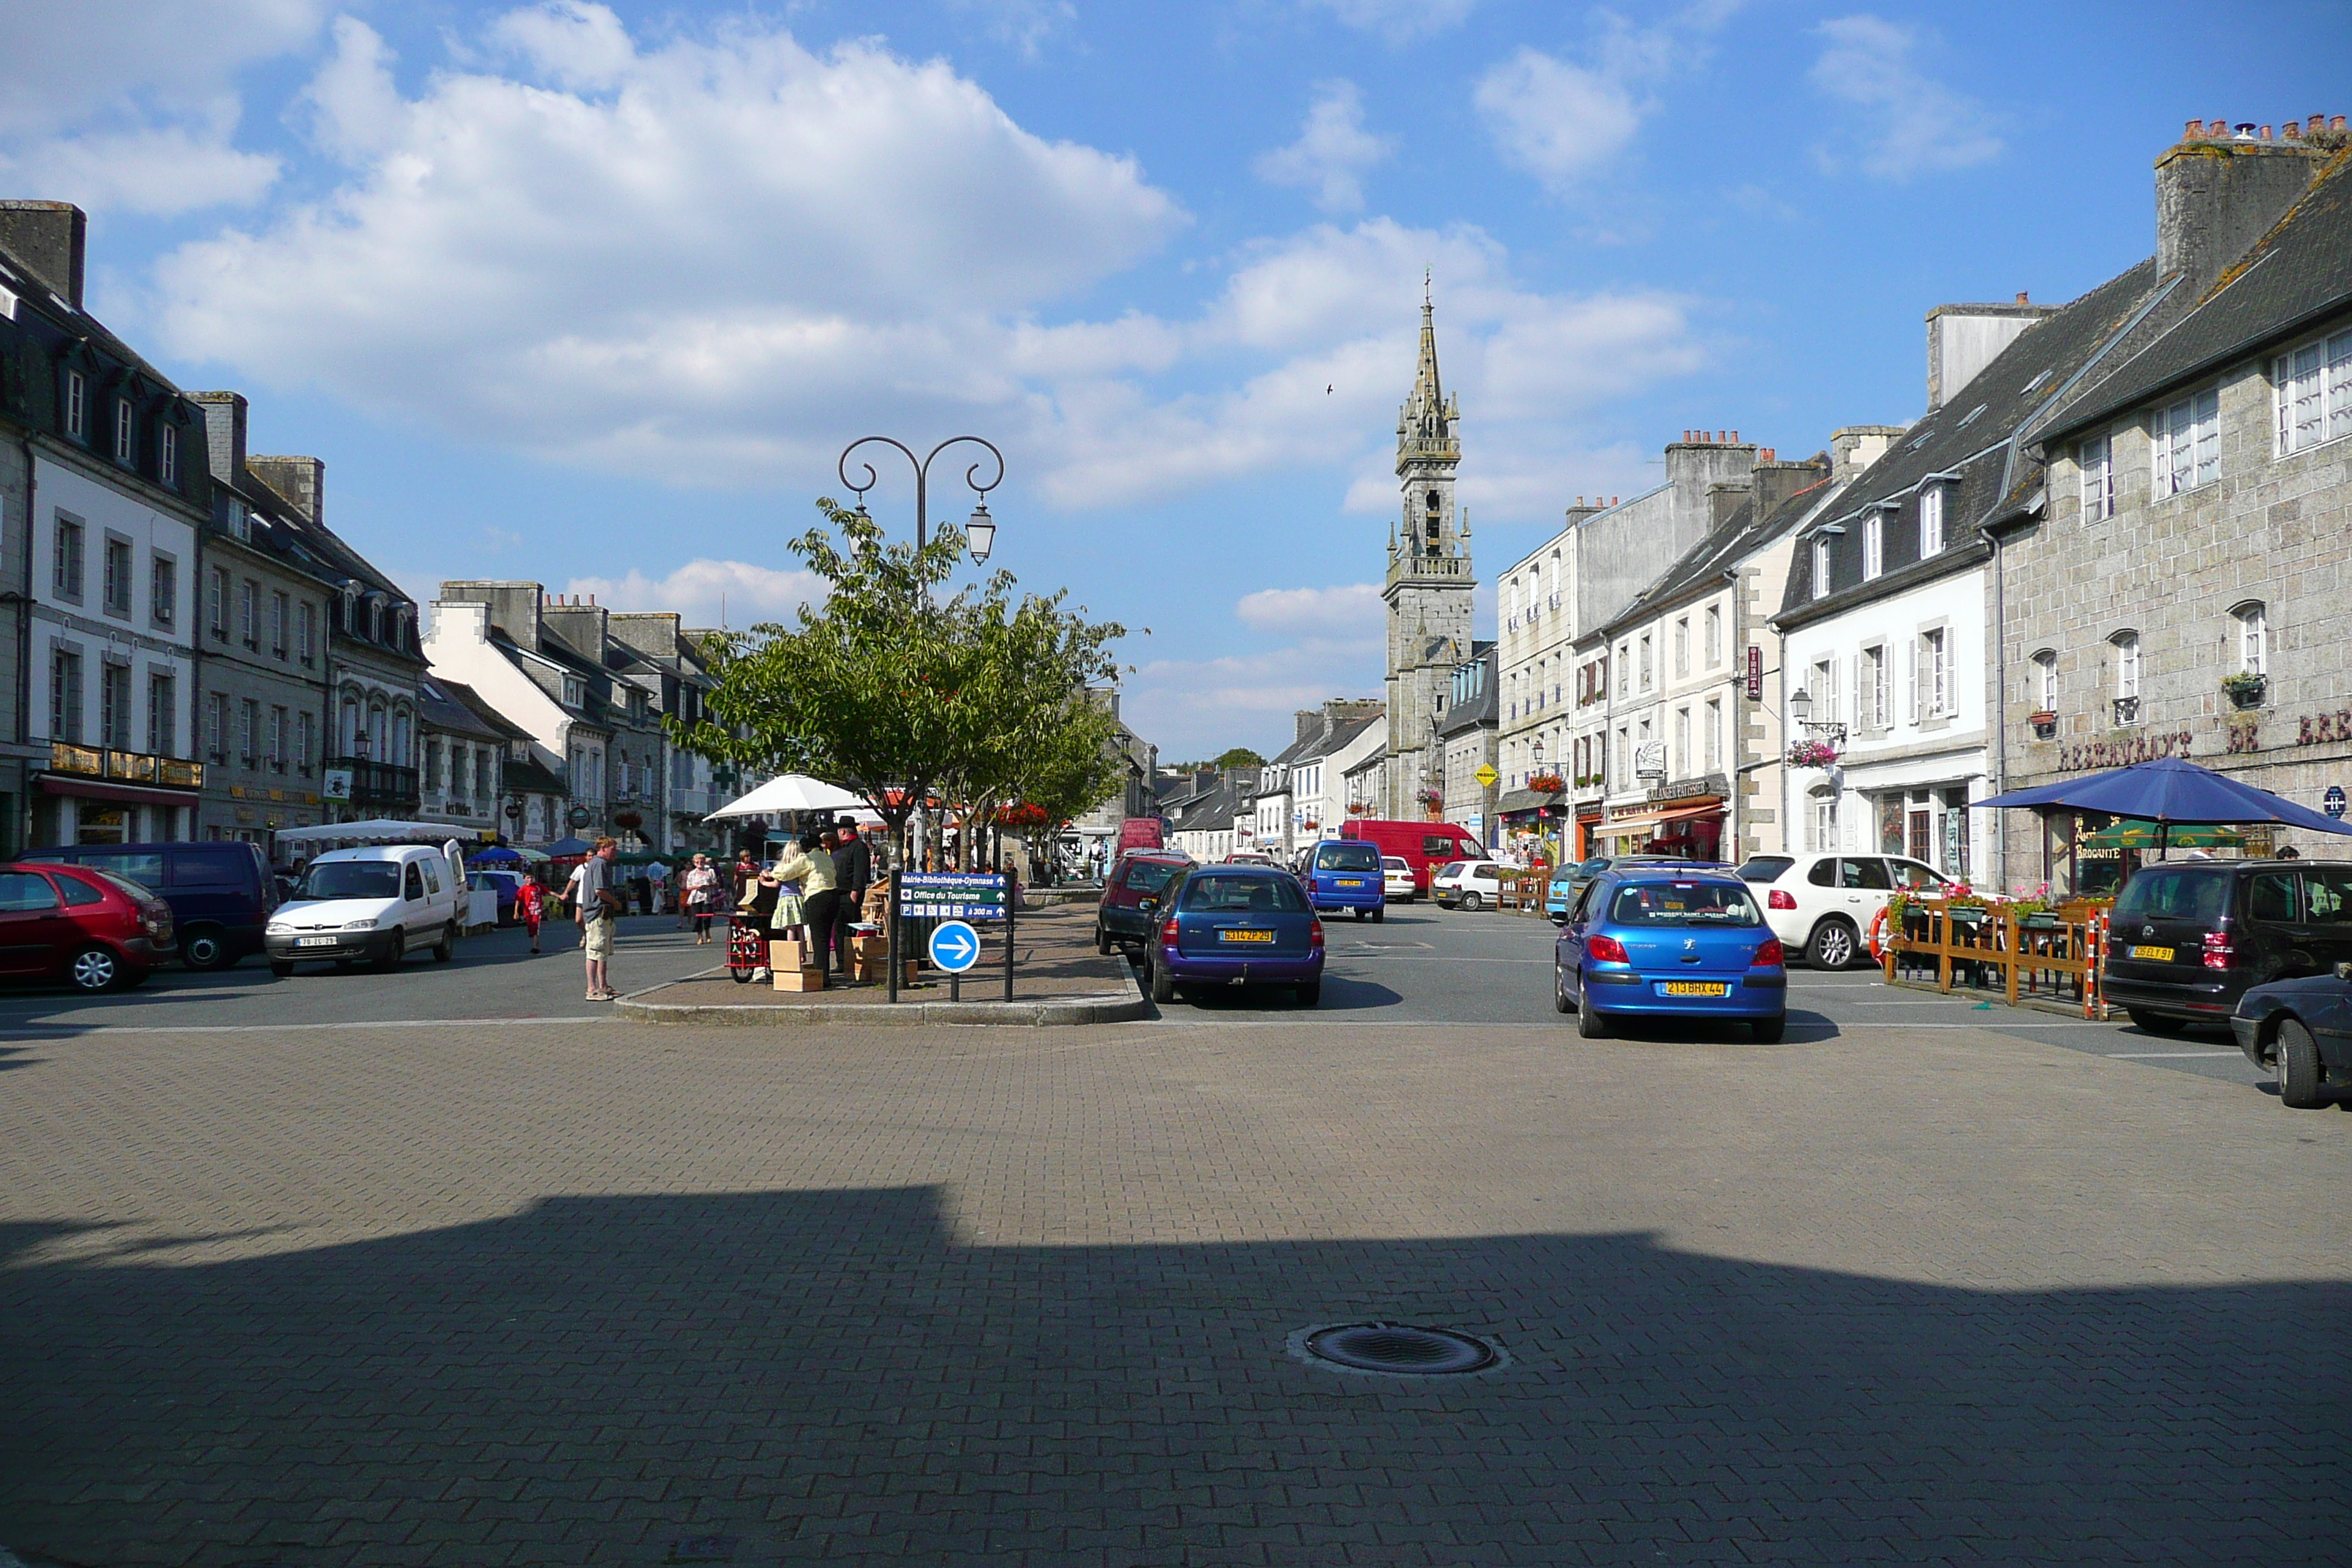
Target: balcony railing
<point>2127,710</point>
<point>129,767</point>
<point>379,783</point>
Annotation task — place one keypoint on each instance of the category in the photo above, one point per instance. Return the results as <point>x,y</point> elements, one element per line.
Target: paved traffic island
<point>1058,978</point>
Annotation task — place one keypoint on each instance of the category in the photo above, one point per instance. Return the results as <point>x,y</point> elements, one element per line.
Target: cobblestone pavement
<point>631,1294</point>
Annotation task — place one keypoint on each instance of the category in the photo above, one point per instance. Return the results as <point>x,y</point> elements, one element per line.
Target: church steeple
<point>1427,415</point>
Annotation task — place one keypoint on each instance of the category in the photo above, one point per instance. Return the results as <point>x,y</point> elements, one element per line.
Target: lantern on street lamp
<point>1800,705</point>
<point>980,532</point>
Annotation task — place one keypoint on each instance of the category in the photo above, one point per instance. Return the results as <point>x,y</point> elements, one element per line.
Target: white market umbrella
<point>791,791</point>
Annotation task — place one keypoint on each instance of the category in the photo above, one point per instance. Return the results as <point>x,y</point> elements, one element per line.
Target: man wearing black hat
<point>853,873</point>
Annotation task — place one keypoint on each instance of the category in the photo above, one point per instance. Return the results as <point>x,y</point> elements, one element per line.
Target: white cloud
<point>1399,21</point>
<point>1912,125</point>
<point>704,591</point>
<point>1333,151</point>
<point>574,45</point>
<point>1027,25</point>
<point>1348,611</point>
<point>1555,120</point>
<point>130,105</point>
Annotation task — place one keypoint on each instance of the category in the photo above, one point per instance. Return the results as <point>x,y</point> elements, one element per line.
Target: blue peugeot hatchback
<point>1236,925</point>
<point>1651,941</point>
<point>1345,874</point>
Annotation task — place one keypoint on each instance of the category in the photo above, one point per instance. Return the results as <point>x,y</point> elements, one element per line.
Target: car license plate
<point>314,942</point>
<point>1350,881</point>
<point>1693,988</point>
<point>2153,954</point>
<point>1244,936</point>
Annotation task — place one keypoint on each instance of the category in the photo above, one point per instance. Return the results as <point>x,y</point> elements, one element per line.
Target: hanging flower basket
<point>1431,798</point>
<point>2245,690</point>
<point>628,819</point>
<point>1546,783</point>
<point>1360,808</point>
<point>1021,819</point>
<point>2044,723</point>
<point>1811,755</point>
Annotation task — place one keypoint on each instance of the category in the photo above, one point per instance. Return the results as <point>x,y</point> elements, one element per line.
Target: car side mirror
<point>2344,972</point>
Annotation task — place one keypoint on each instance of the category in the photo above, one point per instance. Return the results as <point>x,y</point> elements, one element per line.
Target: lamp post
<point>1800,708</point>
<point>980,529</point>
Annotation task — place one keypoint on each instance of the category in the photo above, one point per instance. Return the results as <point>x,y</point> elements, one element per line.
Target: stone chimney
<point>1306,722</point>
<point>1964,339</point>
<point>1700,460</point>
<point>303,481</point>
<point>1855,447</point>
<point>2218,193</point>
<point>652,632</point>
<point>513,606</point>
<point>50,239</point>
<point>1776,483</point>
<point>224,433</point>
<point>583,626</point>
<point>1722,501</point>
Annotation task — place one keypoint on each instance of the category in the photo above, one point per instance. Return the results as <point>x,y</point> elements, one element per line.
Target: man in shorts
<point>599,910</point>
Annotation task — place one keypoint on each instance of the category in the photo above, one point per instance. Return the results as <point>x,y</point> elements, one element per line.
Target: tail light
<point>1771,955</point>
<point>1778,900</point>
<point>1168,930</point>
<point>1315,933</point>
<point>1605,949</point>
<point>2218,950</point>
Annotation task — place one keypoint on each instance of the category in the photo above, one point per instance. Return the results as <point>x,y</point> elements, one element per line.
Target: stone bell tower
<point>1430,582</point>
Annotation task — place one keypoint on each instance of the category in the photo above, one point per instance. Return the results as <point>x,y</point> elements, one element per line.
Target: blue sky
<point>594,295</point>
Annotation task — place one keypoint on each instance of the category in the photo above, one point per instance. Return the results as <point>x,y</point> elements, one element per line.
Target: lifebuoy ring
<point>1875,940</point>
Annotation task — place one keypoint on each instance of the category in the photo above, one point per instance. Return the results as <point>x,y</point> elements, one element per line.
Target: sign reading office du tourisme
<point>951,896</point>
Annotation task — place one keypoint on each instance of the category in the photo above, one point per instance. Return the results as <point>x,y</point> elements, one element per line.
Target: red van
<point>1423,846</point>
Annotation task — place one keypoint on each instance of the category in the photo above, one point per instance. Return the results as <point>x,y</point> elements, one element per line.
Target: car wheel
<point>203,949</point>
<point>1589,1024</point>
<point>2155,1022</point>
<point>1163,985</point>
<point>1559,1001</point>
<point>1832,944</point>
<point>1471,900</point>
<point>1767,1031</point>
<point>1102,942</point>
<point>2298,1067</point>
<point>281,967</point>
<point>446,948</point>
<point>1380,916</point>
<point>94,969</point>
<point>1310,995</point>
<point>393,953</point>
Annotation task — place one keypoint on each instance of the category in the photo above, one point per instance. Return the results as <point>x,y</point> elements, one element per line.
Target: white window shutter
<point>1853,716</point>
<point>1911,679</point>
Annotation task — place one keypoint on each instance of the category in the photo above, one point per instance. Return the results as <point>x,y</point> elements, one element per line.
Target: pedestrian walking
<point>530,904</point>
<point>820,898</point>
<point>658,879</point>
<point>600,910</point>
<point>853,873</point>
<point>698,898</point>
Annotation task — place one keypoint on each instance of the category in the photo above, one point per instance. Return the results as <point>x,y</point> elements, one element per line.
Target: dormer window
<point>571,692</point>
<point>1821,567</point>
<point>375,620</point>
<point>76,404</point>
<point>167,456</point>
<point>1931,520</point>
<point>1873,545</point>
<point>124,430</point>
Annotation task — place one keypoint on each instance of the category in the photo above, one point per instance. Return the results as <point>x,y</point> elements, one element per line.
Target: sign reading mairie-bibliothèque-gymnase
<point>954,895</point>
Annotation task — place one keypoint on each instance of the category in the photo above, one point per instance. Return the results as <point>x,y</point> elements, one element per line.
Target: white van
<point>379,904</point>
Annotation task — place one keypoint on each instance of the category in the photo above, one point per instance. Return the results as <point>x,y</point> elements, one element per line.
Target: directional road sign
<point>1486,775</point>
<point>946,895</point>
<point>955,947</point>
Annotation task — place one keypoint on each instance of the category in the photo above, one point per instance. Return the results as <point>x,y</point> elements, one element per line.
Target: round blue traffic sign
<point>955,946</point>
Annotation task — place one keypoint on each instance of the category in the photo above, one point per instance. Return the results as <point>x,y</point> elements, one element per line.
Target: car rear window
<point>1766,868</point>
<point>206,870</point>
<point>1266,895</point>
<point>1395,863</point>
<point>1149,876</point>
<point>2183,895</point>
<point>78,892</point>
<point>1683,904</point>
<point>2330,892</point>
<point>134,891</point>
<point>1347,857</point>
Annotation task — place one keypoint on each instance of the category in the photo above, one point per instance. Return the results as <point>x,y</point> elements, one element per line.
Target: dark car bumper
<point>1126,925</point>
<point>2207,1002</point>
<point>1371,897</point>
<point>2249,1032</point>
<point>346,945</point>
<point>1256,969</point>
<point>1628,993</point>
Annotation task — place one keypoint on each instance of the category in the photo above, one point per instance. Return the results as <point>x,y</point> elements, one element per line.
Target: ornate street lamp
<point>980,529</point>
<point>1800,708</point>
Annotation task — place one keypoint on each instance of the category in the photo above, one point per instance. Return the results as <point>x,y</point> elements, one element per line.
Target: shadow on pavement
<point>832,1374</point>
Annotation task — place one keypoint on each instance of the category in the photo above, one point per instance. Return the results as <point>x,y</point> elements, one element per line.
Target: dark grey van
<point>221,894</point>
<point>2188,938</point>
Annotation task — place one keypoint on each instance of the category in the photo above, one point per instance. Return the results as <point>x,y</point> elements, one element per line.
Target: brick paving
<point>630,1295</point>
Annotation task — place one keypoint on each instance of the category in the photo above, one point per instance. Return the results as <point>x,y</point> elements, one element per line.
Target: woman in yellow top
<point>799,875</point>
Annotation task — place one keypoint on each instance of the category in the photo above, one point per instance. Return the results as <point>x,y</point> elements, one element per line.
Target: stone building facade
<point>2179,585</point>
<point>1466,729</point>
<point>1429,587</point>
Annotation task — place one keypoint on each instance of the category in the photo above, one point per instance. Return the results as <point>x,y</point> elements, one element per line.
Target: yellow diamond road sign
<point>1486,775</point>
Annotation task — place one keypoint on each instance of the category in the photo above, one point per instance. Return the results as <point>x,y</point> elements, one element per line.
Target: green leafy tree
<point>1241,757</point>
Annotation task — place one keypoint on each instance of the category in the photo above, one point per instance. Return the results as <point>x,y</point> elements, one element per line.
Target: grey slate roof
<point>1705,563</point>
<point>455,708</point>
<point>2298,275</point>
<point>1974,440</point>
<point>1486,709</point>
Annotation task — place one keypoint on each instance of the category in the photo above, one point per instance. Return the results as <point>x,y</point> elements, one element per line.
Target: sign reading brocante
<point>952,896</point>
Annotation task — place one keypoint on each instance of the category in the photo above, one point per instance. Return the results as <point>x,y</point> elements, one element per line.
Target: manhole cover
<point>1399,1348</point>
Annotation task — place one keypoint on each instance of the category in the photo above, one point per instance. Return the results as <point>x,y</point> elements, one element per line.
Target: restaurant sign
<point>2319,729</point>
<point>2121,754</point>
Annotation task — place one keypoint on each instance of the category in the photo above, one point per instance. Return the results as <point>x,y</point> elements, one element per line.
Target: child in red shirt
<point>530,905</point>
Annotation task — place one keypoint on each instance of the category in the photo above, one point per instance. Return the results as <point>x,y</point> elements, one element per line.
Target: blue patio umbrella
<point>496,855</point>
<point>2171,792</point>
<point>563,847</point>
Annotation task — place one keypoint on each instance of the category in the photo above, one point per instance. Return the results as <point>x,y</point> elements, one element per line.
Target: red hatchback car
<point>91,928</point>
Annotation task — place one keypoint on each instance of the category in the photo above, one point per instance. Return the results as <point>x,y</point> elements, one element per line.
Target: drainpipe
<point>25,687</point>
<point>2000,714</point>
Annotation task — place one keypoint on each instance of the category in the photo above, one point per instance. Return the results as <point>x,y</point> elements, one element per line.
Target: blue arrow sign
<point>955,946</point>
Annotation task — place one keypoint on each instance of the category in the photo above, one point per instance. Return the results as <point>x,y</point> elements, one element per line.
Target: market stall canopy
<point>2144,835</point>
<point>2172,791</point>
<point>563,848</point>
<point>791,791</point>
<point>496,855</point>
<point>376,830</point>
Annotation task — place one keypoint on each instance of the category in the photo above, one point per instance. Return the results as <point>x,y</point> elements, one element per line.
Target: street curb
<point>1097,1007</point>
